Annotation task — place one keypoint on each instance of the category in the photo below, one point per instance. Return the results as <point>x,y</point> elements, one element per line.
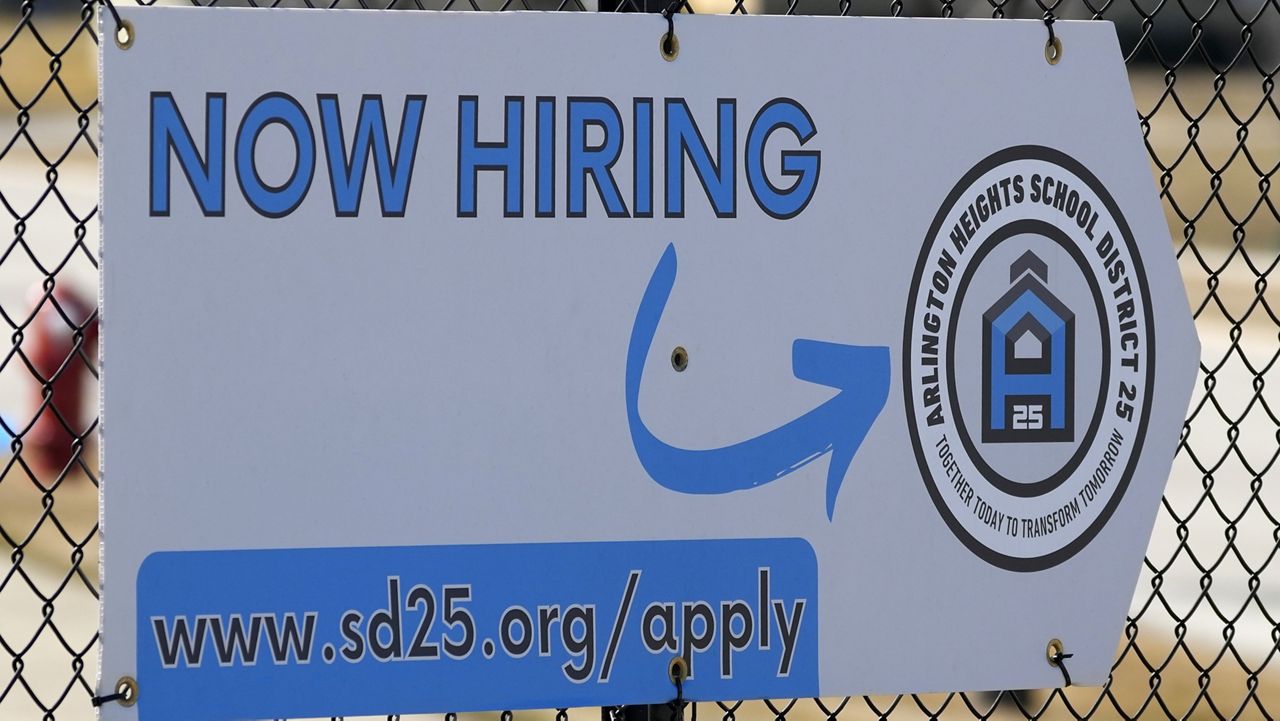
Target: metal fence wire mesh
<point>1202,634</point>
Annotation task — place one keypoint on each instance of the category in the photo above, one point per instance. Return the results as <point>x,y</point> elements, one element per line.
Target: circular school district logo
<point>1029,358</point>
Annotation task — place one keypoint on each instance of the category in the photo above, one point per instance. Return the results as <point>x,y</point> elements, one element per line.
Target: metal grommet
<point>1053,651</point>
<point>124,40</point>
<point>669,46</point>
<point>678,670</point>
<point>679,359</point>
<point>127,687</point>
<point>1053,50</point>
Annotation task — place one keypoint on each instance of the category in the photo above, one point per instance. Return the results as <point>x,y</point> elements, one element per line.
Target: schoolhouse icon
<point>1028,361</point>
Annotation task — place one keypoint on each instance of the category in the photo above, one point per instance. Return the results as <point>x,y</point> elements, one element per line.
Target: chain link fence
<point>1202,634</point>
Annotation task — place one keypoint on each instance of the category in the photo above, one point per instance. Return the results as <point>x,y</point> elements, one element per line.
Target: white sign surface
<point>446,371</point>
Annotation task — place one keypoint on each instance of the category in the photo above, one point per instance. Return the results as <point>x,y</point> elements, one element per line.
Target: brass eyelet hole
<point>124,35</point>
<point>1053,651</point>
<point>1053,50</point>
<point>128,686</point>
<point>669,46</point>
<point>678,670</point>
<point>679,359</point>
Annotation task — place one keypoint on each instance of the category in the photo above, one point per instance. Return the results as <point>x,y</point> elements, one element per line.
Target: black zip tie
<point>1052,48</point>
<point>109,698</point>
<point>677,670</point>
<point>668,40</point>
<point>1059,659</point>
<point>126,693</point>
<point>669,13</point>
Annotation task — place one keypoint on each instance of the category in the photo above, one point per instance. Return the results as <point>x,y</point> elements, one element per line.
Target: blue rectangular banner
<point>227,634</point>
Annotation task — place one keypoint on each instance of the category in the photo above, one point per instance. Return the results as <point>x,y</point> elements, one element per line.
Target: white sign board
<point>479,361</point>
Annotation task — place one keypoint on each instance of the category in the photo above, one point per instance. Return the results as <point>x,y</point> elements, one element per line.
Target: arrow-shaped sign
<point>861,373</point>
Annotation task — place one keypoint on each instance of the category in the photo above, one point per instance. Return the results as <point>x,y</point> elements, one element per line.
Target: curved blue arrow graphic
<point>861,373</point>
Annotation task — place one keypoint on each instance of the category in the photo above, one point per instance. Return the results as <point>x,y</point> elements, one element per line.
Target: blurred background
<point>1204,625</point>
